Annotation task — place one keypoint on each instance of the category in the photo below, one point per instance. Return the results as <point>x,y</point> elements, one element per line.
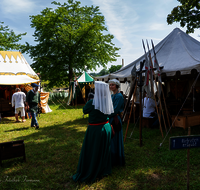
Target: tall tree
<point>114,68</point>
<point>103,72</point>
<point>70,37</point>
<point>9,40</point>
<point>187,14</point>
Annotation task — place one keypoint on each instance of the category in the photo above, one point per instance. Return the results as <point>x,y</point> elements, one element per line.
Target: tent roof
<point>14,64</point>
<point>16,79</point>
<point>176,52</point>
<point>85,77</point>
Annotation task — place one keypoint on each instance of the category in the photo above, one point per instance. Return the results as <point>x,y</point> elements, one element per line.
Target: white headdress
<point>114,81</point>
<point>102,98</point>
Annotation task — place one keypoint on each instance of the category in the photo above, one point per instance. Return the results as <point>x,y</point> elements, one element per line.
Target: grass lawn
<point>52,154</point>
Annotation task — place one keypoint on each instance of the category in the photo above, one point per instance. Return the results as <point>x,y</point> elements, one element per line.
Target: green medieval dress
<point>95,156</point>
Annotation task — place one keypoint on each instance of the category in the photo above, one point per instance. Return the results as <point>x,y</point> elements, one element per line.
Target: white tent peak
<point>176,52</point>
<point>14,69</point>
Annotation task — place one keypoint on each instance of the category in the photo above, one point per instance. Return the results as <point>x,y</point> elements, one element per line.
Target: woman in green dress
<point>95,156</point>
<point>117,144</point>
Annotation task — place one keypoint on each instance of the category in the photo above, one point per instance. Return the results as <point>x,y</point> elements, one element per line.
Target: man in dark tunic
<point>32,102</point>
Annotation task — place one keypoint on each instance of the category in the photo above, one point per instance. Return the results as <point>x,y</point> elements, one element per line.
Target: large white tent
<point>176,52</point>
<point>15,70</point>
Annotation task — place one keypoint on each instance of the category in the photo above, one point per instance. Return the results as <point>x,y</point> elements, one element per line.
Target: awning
<point>16,79</point>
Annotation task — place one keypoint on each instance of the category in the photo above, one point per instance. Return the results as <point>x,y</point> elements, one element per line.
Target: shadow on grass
<point>19,129</point>
<point>63,105</point>
<point>52,155</point>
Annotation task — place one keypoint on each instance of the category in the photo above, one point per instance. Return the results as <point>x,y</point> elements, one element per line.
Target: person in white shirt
<point>18,99</point>
<point>149,110</point>
<point>149,107</point>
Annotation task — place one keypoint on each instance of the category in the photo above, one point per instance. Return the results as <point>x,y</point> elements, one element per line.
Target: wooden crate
<point>193,119</point>
<point>12,149</point>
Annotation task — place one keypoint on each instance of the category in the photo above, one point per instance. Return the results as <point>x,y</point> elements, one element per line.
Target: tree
<point>70,38</point>
<point>114,68</point>
<point>187,14</point>
<point>103,72</point>
<point>8,39</point>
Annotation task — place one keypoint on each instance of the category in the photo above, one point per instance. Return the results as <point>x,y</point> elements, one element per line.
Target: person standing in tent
<point>95,156</point>
<point>32,101</point>
<point>117,144</point>
<point>18,99</point>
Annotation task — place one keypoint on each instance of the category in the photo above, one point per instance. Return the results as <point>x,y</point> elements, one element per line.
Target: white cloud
<point>120,17</point>
<point>17,6</point>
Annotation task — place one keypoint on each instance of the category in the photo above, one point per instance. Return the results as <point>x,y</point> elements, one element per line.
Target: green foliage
<point>187,14</point>
<point>103,72</point>
<point>69,37</point>
<point>114,68</point>
<point>9,40</point>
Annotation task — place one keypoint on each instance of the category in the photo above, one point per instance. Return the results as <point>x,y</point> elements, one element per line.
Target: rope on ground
<point>134,127</point>
<point>193,85</point>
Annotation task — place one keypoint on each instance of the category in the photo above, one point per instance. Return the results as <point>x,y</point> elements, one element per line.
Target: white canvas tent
<point>15,70</point>
<point>176,52</point>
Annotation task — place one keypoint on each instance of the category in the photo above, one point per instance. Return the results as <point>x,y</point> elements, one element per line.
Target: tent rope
<point>194,83</point>
<point>134,127</point>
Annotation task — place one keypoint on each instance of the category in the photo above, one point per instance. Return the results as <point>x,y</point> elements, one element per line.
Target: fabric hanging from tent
<point>44,96</point>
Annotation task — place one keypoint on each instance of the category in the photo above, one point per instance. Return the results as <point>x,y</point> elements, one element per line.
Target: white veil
<point>102,98</point>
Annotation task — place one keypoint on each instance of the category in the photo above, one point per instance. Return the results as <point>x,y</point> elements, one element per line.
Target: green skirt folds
<point>95,157</point>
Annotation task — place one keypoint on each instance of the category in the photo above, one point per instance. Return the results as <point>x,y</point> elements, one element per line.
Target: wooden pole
<point>140,115</point>
<point>188,162</point>
<point>157,109</point>
<point>130,112</point>
<point>166,110</point>
<point>129,98</point>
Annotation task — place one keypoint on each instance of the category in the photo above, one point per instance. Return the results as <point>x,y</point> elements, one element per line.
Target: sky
<point>129,21</point>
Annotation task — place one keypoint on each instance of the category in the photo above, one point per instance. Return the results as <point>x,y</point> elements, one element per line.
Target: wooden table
<point>186,121</point>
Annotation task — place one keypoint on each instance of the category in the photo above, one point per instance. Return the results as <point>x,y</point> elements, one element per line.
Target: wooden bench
<point>12,149</point>
<point>186,121</point>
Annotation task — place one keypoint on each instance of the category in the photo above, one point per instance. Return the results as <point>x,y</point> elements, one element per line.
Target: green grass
<point>52,154</point>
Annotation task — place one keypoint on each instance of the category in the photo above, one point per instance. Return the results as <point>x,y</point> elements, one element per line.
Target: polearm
<point>141,109</point>
<point>147,68</point>
<point>161,83</point>
<point>130,112</point>
<point>151,70</point>
<point>157,89</point>
<point>133,73</point>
